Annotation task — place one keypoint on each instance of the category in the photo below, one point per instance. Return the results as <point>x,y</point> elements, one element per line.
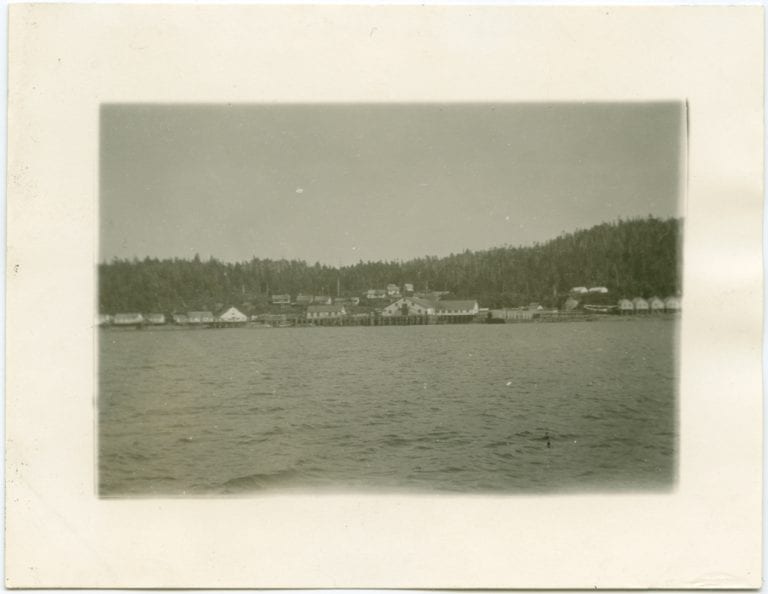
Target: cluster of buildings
<point>402,306</point>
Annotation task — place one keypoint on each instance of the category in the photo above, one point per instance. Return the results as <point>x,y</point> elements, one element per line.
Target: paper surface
<point>65,60</point>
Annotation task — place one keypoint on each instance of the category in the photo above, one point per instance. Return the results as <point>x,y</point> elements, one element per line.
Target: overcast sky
<point>342,183</point>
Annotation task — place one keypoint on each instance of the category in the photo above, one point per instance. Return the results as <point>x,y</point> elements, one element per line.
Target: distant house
<point>347,301</point>
<point>672,304</point>
<point>408,288</point>
<point>579,290</point>
<point>281,299</point>
<point>156,319</point>
<point>534,307</point>
<point>180,319</point>
<point>598,290</point>
<point>409,306</point>
<point>626,306</point>
<point>376,294</point>
<point>128,319</point>
<point>103,320</point>
<point>456,308</point>
<point>200,317</point>
<point>641,305</point>
<point>233,316</point>
<point>656,304</point>
<point>325,312</point>
<point>322,300</point>
<point>303,300</point>
<point>393,290</point>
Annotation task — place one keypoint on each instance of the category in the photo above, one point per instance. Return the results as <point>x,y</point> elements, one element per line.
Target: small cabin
<point>579,290</point>
<point>303,300</point>
<point>602,290</point>
<point>180,319</point>
<point>408,287</point>
<point>656,304</point>
<point>200,317</point>
<point>640,305</point>
<point>281,300</point>
<point>156,319</point>
<point>376,294</point>
<point>672,304</point>
<point>626,306</point>
<point>322,300</point>
<point>393,290</point>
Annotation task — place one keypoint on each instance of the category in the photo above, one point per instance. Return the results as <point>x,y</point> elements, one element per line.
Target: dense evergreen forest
<point>637,257</point>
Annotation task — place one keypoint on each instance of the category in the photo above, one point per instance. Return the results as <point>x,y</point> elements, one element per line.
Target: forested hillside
<point>638,257</point>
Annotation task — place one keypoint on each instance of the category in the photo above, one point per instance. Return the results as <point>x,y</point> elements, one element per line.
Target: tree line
<point>635,257</point>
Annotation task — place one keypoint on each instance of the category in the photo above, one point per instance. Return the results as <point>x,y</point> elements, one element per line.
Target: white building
<point>456,308</point>
<point>128,319</point>
<point>233,316</point>
<point>326,312</point>
<point>409,306</point>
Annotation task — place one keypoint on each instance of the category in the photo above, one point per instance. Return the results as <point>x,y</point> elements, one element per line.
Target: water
<point>465,408</point>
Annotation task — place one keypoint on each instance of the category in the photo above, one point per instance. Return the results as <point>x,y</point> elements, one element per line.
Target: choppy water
<point>422,408</point>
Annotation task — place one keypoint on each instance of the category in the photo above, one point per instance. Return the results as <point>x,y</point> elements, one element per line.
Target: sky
<point>340,183</point>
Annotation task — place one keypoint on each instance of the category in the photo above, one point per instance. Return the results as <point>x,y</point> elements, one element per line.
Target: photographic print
<point>420,298</point>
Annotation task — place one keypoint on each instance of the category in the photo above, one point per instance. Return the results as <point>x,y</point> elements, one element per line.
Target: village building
<point>376,294</point>
<point>598,290</point>
<point>322,300</point>
<point>180,319</point>
<point>128,319</point>
<point>408,288</point>
<point>233,316</point>
<point>303,300</point>
<point>641,305</point>
<point>672,304</point>
<point>656,304</point>
<point>393,290</point>
<point>325,312</point>
<point>200,317</point>
<point>281,299</point>
<point>579,290</point>
<point>626,306</point>
<point>409,306</point>
<point>455,309</point>
<point>347,301</point>
<point>156,319</point>
<point>510,313</point>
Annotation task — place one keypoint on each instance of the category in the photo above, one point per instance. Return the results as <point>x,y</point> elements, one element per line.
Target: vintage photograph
<point>457,298</point>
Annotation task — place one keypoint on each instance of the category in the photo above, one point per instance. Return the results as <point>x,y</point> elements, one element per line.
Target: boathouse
<point>409,306</point>
<point>325,312</point>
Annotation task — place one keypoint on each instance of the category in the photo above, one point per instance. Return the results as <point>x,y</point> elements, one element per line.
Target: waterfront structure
<point>233,316</point>
<point>200,317</point>
<point>325,312</point>
<point>281,299</point>
<point>512,313</point>
<point>456,308</point>
<point>156,319</point>
<point>657,305</point>
<point>409,306</point>
<point>128,319</point>
<point>641,305</point>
